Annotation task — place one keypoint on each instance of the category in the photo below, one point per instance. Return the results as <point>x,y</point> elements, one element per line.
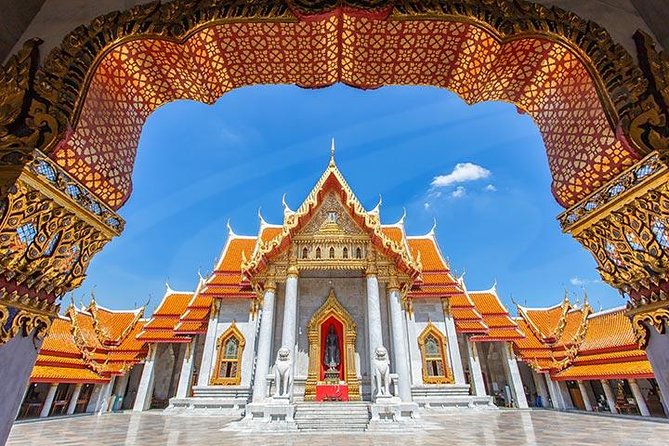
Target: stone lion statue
<point>382,371</point>
<point>283,372</point>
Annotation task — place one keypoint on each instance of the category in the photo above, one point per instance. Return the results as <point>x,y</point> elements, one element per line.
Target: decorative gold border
<point>332,307</point>
<point>432,329</point>
<point>216,380</point>
<point>643,322</point>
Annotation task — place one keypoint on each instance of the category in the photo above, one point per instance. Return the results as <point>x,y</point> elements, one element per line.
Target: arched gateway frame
<point>69,126</point>
<point>332,309</point>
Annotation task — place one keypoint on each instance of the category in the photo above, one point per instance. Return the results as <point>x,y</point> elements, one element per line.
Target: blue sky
<point>480,171</point>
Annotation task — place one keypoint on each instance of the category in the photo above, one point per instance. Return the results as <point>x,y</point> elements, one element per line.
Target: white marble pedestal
<point>392,408</point>
<point>274,409</point>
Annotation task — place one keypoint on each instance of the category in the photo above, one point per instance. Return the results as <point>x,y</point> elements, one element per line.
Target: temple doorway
<point>332,374</point>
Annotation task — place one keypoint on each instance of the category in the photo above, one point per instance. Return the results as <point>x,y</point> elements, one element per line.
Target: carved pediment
<point>331,218</point>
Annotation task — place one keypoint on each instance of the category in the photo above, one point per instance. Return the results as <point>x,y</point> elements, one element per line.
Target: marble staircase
<point>330,416</point>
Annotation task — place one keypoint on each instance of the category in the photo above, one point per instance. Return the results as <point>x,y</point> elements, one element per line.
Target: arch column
<point>264,343</point>
<point>540,384</point>
<point>399,340</point>
<point>187,366</point>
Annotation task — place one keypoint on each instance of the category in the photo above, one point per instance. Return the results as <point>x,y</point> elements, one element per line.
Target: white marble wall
<point>425,310</point>
<point>351,292</point>
<point>238,311</point>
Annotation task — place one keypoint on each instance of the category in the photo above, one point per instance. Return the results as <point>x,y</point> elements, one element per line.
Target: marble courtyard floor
<point>490,428</point>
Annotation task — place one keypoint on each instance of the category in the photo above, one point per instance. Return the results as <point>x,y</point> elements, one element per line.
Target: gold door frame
<point>332,307</point>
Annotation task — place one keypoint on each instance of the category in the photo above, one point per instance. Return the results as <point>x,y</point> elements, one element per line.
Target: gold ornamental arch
<point>69,126</point>
<point>332,307</point>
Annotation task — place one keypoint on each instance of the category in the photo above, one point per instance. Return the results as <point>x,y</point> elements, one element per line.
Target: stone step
<point>339,417</point>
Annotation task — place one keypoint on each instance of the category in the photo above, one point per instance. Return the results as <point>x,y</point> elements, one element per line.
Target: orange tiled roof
<point>332,181</point>
<point>89,346</point>
<point>466,316</point>
<point>608,351</point>
<point>196,317</point>
<point>500,325</point>
<point>226,280</point>
<point>162,324</point>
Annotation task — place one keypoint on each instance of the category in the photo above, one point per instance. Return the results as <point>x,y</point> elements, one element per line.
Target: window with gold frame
<point>436,369</point>
<point>229,349</point>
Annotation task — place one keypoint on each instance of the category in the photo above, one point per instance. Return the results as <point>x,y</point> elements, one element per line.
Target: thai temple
<point>333,307</point>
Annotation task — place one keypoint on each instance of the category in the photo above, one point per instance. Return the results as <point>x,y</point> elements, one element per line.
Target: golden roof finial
<point>332,152</point>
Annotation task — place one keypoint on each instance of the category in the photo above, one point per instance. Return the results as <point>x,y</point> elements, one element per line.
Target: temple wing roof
<point>608,351</point>
<point>90,345</point>
<point>161,326</point>
<point>501,327</point>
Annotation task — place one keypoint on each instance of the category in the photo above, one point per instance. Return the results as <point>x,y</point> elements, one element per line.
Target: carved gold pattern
<point>644,322</point>
<point>332,47</point>
<point>332,307</point>
<point>23,321</point>
<point>628,236</point>
<point>231,332</point>
<point>447,378</point>
<point>48,237</point>
<point>294,238</point>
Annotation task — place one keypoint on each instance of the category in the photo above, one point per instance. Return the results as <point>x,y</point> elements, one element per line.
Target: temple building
<point>331,305</point>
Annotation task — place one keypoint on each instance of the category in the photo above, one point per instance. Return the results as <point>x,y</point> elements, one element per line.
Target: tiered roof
<point>90,345</point>
<point>162,326</point>
<point>572,343</point>
<point>608,351</point>
<point>552,335</point>
<point>501,327</point>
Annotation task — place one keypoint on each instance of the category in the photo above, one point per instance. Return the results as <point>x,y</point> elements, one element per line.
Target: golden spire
<point>332,152</point>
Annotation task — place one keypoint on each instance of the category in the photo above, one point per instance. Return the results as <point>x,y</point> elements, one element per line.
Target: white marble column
<point>453,349</point>
<point>566,396</point>
<point>556,396</point>
<point>399,339</point>
<point>540,384</point>
<point>290,312</point>
<point>120,387</point>
<point>475,372</point>
<point>145,387</point>
<point>72,405</point>
<point>374,321</point>
<point>513,375</point>
<point>584,394</point>
<point>187,366</point>
<point>209,350</point>
<point>610,397</point>
<point>264,344</point>
<point>638,396</point>
<point>48,402</point>
<point>104,403</point>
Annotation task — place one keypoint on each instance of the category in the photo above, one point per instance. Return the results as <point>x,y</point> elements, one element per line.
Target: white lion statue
<point>382,371</point>
<point>283,373</point>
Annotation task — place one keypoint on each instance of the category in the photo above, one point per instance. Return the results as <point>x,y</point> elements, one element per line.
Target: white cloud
<point>490,188</point>
<point>578,281</point>
<point>459,192</point>
<point>462,173</point>
<point>426,205</point>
